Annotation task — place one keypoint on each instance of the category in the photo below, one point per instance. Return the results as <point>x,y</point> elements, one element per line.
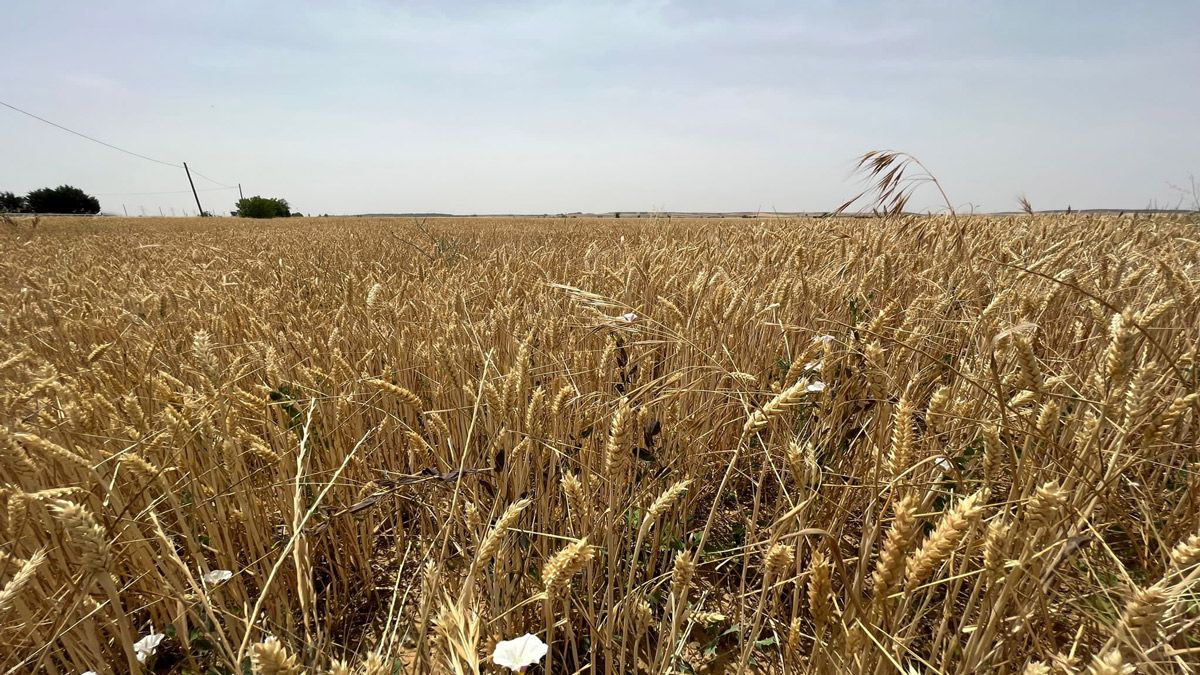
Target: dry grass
<point>408,443</point>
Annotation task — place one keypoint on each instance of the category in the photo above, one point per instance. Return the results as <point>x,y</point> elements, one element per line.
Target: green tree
<point>263,207</point>
<point>62,199</point>
<point>11,203</point>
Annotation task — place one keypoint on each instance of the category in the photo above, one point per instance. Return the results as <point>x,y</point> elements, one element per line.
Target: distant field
<point>660,445</point>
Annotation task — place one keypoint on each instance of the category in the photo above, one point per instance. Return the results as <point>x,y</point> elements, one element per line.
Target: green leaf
<point>767,642</point>
<point>633,517</point>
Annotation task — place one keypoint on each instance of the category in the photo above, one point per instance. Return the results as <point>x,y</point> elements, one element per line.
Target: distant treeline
<point>62,199</point>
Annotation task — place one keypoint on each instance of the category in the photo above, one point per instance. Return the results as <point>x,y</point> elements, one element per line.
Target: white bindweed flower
<point>217,576</point>
<point>823,338</point>
<point>145,647</point>
<point>88,672</point>
<point>519,653</point>
<point>629,317</point>
<point>815,387</point>
<point>943,464</point>
<point>813,365</point>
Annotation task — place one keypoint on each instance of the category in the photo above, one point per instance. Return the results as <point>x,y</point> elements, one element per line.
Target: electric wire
<point>115,147</point>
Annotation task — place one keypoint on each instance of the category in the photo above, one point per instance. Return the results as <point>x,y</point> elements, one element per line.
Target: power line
<point>94,140</point>
<point>223,186</point>
<point>215,182</point>
<point>168,192</point>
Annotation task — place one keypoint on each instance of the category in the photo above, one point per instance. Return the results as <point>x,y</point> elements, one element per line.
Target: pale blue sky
<point>489,107</point>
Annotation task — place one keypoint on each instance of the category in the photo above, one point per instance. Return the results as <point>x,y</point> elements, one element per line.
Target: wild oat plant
<point>845,445</point>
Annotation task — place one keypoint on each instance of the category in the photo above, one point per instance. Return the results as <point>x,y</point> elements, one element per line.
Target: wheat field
<point>916,444</point>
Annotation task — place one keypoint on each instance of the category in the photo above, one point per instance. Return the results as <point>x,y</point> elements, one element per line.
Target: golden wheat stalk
<point>85,533</point>
<point>559,569</point>
<point>24,574</point>
<point>944,539</point>
<point>491,542</point>
<point>889,568</point>
<point>404,395</point>
<point>270,657</point>
<point>759,419</point>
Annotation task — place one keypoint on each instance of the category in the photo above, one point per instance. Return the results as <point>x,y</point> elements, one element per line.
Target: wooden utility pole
<point>199,209</point>
<point>125,210</point>
<point>240,195</point>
